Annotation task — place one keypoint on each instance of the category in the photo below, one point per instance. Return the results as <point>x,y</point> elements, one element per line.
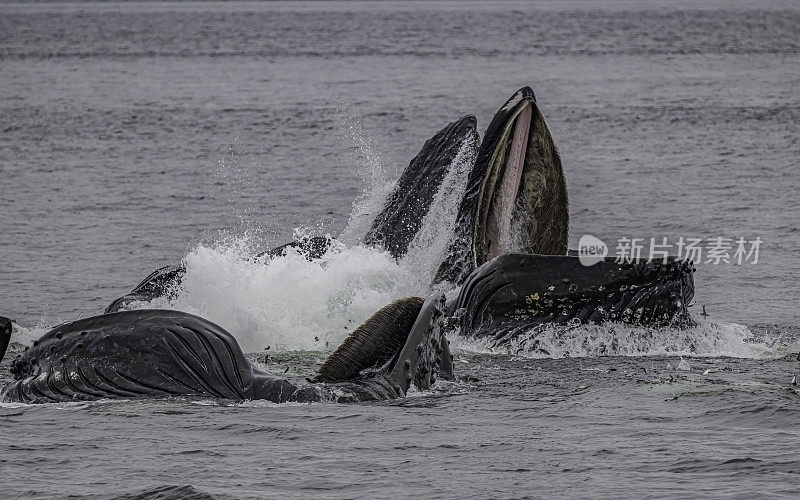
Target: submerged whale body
<point>162,353</point>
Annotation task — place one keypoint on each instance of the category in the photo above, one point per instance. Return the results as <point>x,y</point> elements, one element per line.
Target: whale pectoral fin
<point>5,335</point>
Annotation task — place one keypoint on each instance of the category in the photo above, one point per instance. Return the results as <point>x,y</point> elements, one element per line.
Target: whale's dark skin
<point>131,354</point>
<point>159,283</point>
<point>513,292</point>
<point>5,335</point>
<point>408,205</point>
<point>160,353</point>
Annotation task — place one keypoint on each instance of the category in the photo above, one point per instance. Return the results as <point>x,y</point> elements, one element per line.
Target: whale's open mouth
<point>522,202</point>
<point>516,194</point>
<point>401,345</point>
<point>498,222</point>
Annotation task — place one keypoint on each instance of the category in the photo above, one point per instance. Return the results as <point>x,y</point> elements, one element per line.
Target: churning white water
<point>288,303</point>
<point>706,339</point>
<point>294,303</point>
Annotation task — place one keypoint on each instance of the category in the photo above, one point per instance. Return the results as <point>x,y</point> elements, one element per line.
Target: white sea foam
<point>287,303</point>
<point>707,338</point>
<point>26,336</point>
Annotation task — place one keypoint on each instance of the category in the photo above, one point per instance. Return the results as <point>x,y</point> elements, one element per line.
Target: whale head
<point>516,196</point>
<point>514,292</point>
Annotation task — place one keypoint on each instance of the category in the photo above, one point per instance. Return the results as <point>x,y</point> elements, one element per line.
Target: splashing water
<point>429,247</point>
<point>375,175</point>
<point>295,303</point>
<point>289,302</point>
<point>26,336</point>
<point>707,338</point>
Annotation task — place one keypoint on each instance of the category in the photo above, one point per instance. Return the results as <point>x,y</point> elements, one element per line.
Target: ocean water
<point>139,134</point>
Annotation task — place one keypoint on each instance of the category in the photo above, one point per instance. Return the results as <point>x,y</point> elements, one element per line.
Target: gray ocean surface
<point>135,135</point>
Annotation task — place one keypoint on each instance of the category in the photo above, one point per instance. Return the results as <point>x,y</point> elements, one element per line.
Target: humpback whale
<point>515,201</point>
<point>508,255</point>
<point>163,353</point>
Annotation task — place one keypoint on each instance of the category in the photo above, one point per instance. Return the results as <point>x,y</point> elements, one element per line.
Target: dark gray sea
<point>135,135</point>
